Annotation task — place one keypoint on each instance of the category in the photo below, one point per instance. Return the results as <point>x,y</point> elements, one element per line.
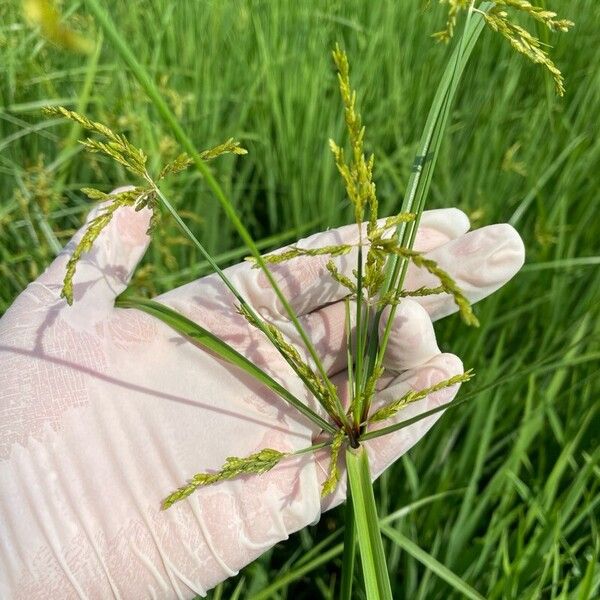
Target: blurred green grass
<point>505,490</point>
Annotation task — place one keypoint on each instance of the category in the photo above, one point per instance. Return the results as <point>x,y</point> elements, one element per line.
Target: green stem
<point>368,335</point>
<point>348,559</point>
<point>144,79</point>
<point>420,180</point>
<point>358,354</point>
<point>370,544</point>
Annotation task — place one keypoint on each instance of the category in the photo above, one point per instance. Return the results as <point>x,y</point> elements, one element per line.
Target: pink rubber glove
<point>105,411</point>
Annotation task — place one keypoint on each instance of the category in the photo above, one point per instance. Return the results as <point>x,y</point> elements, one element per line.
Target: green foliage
<point>208,340</point>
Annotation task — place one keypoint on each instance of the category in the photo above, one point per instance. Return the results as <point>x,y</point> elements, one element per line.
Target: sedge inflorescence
<point>371,289</point>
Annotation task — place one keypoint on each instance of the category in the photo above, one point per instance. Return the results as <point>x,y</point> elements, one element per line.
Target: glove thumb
<point>104,271</point>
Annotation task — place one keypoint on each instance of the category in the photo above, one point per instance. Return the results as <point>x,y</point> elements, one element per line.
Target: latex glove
<point>105,411</point>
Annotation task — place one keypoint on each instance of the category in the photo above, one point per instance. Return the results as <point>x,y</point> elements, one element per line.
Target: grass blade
<point>296,574</point>
<point>192,330</point>
<point>431,563</point>
<point>423,167</point>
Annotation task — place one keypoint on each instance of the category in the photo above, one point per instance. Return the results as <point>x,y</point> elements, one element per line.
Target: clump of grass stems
<point>382,261</point>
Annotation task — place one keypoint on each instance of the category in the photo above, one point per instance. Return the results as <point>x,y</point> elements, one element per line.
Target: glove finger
<point>309,285</point>
<point>438,227</point>
<point>480,262</point>
<point>411,341</point>
<point>305,280</point>
<point>387,449</point>
<point>104,271</point>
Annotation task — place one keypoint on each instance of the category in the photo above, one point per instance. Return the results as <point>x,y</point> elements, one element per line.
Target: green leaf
<point>423,167</point>
<point>431,563</point>
<point>204,338</point>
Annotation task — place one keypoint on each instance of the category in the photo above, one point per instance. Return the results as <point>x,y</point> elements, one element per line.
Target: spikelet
<point>389,410</point>
<point>324,392</point>
<point>454,7</point>
<point>95,227</point>
<point>295,252</point>
<point>257,463</point>
<point>526,43</point>
<point>341,279</point>
<point>118,148</point>
<point>183,161</point>
<point>333,474</point>
<point>447,284</point>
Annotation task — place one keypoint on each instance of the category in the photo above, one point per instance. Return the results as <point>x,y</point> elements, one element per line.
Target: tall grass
<point>504,491</point>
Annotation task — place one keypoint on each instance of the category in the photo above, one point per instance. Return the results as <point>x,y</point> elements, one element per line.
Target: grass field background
<point>505,491</point>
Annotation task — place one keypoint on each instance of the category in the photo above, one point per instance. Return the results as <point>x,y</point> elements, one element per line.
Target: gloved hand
<point>105,411</point>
